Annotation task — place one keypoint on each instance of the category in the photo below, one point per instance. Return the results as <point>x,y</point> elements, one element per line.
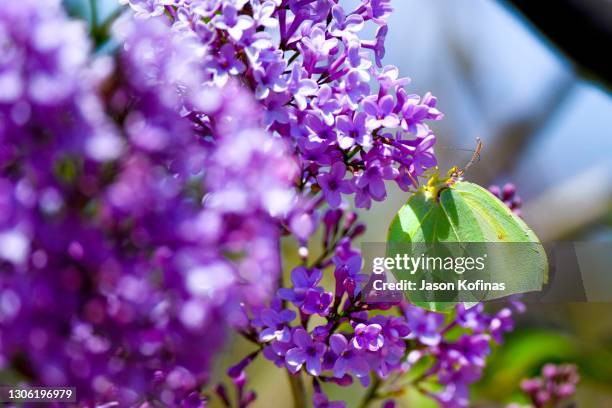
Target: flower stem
<point>297,390</point>
<point>371,393</point>
<point>100,30</point>
<point>93,10</point>
<point>293,57</point>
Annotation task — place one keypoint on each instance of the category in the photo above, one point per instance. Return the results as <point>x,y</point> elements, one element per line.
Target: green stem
<point>352,153</point>
<point>371,394</point>
<point>297,390</point>
<point>293,57</point>
<point>100,29</point>
<point>93,9</point>
<point>327,251</point>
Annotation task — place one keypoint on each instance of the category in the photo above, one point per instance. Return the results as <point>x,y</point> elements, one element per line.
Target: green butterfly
<point>456,215</point>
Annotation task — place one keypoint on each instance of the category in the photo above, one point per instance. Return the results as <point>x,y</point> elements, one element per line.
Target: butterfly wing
<point>467,214</point>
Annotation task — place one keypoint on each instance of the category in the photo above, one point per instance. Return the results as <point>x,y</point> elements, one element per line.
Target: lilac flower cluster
<point>130,228</point>
<point>352,123</point>
<point>370,342</point>
<point>509,196</point>
<point>555,387</point>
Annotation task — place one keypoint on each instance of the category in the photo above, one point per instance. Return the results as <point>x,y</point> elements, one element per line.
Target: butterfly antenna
<point>475,156</point>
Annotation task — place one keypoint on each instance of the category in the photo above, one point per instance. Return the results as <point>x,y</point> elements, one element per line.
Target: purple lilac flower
<point>317,302</point>
<point>230,21</point>
<point>353,131</point>
<point>263,14</point>
<point>371,185</point>
<point>306,352</point>
<point>379,47</point>
<point>368,337</point>
<point>268,77</point>
<point>509,196</point>
<point>472,318</point>
<point>348,278</point>
<point>390,357</point>
<point>310,298</point>
<point>381,112</point>
<point>333,184</point>
<point>554,387</point>
<point>379,10</point>
<point>423,155</point>
<point>303,280</point>
<point>316,47</point>
<point>275,325</point>
<point>277,351</point>
<point>501,323</point>
<point>424,326</point>
<point>227,64</point>
<point>301,87</point>
<point>145,8</point>
<point>325,105</point>
<point>414,111</point>
<point>348,358</point>
<point>343,25</point>
<point>355,87</point>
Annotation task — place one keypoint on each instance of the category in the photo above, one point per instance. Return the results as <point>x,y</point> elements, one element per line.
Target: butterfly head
<point>437,183</point>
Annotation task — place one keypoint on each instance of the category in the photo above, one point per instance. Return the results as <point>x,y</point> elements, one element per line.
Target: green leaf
<point>452,211</point>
